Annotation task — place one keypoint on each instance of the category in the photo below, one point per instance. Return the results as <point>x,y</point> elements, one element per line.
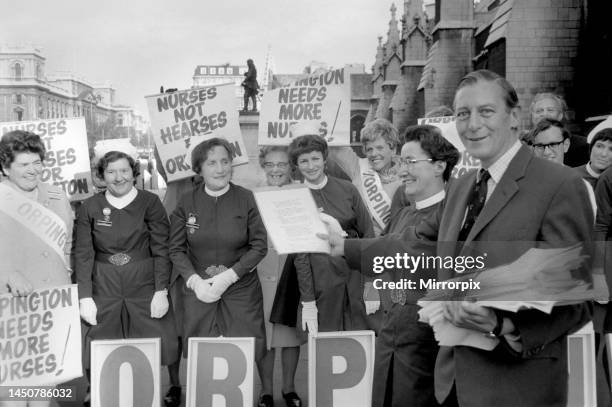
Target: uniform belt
<point>121,259</point>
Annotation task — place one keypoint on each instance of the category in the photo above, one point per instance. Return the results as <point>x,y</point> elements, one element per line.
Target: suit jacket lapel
<point>503,192</point>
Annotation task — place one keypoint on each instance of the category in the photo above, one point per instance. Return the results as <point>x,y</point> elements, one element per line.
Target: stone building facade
<point>539,46</point>
<point>27,93</point>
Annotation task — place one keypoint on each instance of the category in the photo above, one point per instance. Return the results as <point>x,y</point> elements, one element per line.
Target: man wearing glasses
<point>551,106</point>
<point>551,140</point>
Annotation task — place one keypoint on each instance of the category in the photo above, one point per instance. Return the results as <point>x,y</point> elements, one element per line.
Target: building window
<point>202,70</point>
<point>17,71</point>
<point>19,99</point>
<point>213,70</point>
<point>120,120</point>
<point>221,71</point>
<point>18,114</point>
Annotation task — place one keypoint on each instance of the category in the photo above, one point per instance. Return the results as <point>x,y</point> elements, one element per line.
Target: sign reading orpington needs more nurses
<point>323,99</point>
<point>448,127</point>
<point>181,120</point>
<point>66,162</point>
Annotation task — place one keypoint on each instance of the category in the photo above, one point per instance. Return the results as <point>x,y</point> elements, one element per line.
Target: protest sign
<point>125,372</point>
<point>291,218</point>
<point>66,162</point>
<point>40,337</point>
<point>323,99</point>
<point>582,390</point>
<point>220,372</point>
<point>181,120</point>
<point>447,126</point>
<point>341,368</point>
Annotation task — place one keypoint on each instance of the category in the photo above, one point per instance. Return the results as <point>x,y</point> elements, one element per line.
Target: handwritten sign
<point>220,370</point>
<point>181,120</point>
<point>341,368</point>
<point>125,372</point>
<point>448,128</point>
<point>66,162</point>
<point>324,99</point>
<point>40,337</point>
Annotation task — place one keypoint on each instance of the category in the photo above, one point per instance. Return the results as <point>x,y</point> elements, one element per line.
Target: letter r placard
<point>125,372</point>
<point>341,369</point>
<point>220,372</point>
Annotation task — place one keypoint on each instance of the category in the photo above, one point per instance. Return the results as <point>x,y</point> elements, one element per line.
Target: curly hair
<point>265,150</point>
<point>306,144</point>
<point>380,128</point>
<point>19,141</point>
<point>113,156</point>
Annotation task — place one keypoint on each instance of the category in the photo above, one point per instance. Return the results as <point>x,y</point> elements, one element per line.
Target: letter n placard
<point>581,366</point>
<point>220,372</point>
<point>341,369</point>
<point>125,372</point>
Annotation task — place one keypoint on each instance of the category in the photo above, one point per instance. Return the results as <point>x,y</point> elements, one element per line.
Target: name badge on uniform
<point>106,221</point>
<point>192,224</point>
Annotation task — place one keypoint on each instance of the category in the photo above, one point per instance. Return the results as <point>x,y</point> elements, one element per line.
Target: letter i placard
<point>220,372</point>
<point>341,369</point>
<point>125,372</point>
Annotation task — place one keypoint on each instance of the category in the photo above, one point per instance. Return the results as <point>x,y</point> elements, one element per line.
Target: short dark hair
<point>265,150</point>
<point>435,145</point>
<point>601,135</point>
<point>19,141</point>
<point>484,75</point>
<point>200,152</point>
<point>113,156</point>
<point>546,124</point>
<point>307,144</point>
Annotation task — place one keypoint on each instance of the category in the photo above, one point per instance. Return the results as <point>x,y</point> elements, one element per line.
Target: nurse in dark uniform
<point>121,260</point>
<point>217,238</point>
<point>331,293</point>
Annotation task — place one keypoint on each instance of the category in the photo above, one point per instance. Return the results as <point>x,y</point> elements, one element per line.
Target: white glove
<point>202,289</point>
<point>371,306</point>
<point>159,304</point>
<point>221,282</point>
<point>18,284</point>
<point>332,224</point>
<point>88,310</point>
<point>309,317</point>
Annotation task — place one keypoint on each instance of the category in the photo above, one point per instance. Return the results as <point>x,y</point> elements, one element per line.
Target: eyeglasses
<point>282,166</point>
<point>411,161</point>
<point>540,148</point>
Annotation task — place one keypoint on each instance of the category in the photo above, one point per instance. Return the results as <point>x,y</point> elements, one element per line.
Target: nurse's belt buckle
<point>119,259</point>
<point>214,270</point>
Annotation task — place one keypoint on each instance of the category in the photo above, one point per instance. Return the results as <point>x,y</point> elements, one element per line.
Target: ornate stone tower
<point>391,65</point>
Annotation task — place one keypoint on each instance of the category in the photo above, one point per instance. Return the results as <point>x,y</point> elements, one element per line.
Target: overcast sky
<point>138,45</point>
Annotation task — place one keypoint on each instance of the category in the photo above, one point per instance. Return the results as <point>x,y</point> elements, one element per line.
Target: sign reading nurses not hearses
<point>447,126</point>
<point>181,120</point>
<point>323,99</point>
<point>66,162</point>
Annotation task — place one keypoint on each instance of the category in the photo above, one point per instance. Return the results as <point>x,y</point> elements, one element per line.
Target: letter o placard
<point>111,363</point>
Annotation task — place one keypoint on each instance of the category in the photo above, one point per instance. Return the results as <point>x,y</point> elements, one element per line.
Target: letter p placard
<point>341,369</point>
<point>220,372</point>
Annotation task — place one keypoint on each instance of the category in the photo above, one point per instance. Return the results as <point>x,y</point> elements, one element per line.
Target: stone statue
<point>251,86</point>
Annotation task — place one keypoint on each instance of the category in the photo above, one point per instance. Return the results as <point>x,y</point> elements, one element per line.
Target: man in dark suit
<point>515,202</point>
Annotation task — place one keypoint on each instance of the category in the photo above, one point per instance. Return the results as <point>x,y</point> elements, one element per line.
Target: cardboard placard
<point>40,337</point>
<point>66,162</point>
<point>341,368</point>
<point>323,99</point>
<point>181,120</point>
<point>126,372</point>
<point>582,389</point>
<point>220,372</point>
